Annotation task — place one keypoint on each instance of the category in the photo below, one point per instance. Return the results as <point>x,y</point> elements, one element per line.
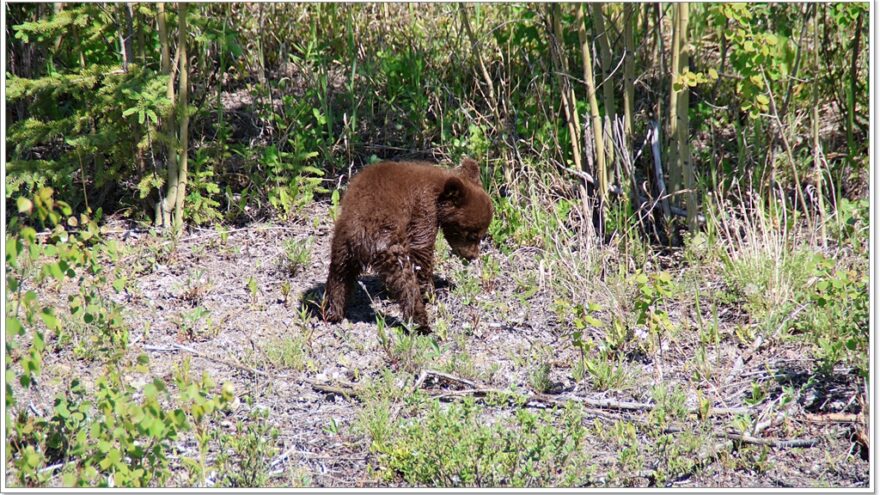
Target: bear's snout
<point>468,252</point>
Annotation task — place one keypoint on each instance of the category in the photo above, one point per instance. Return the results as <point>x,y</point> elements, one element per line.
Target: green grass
<point>297,254</point>
<point>287,352</point>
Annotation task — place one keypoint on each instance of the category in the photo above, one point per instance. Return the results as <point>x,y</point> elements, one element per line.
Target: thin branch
<point>779,444</point>
<point>178,347</point>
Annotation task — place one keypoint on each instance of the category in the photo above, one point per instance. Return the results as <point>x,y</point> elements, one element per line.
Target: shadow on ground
<point>367,291</point>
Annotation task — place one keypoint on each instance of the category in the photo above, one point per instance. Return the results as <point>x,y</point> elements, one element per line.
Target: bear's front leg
<point>424,268</point>
<point>398,271</point>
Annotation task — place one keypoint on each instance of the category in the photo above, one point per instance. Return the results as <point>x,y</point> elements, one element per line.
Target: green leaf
<point>68,479</point>
<point>50,320</point>
<point>129,111</point>
<point>61,409</point>
<point>593,321</point>
<point>24,205</point>
<point>54,269</point>
<point>13,326</point>
<point>31,458</point>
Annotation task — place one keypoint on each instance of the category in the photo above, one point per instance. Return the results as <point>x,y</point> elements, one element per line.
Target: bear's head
<point>464,210</point>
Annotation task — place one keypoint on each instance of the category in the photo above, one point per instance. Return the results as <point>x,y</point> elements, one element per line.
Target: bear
<point>389,220</point>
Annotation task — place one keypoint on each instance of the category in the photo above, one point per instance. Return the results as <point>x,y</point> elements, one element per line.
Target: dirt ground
<point>207,271</point>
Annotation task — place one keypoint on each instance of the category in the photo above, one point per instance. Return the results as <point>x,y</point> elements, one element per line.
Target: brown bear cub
<point>389,220</point>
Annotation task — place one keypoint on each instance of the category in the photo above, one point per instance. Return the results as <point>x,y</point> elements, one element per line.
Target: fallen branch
<point>347,390</point>
<point>547,399</point>
<point>178,347</point>
<point>285,457</point>
<point>744,358</point>
<point>759,341</point>
<point>833,418</point>
<point>779,444</point>
<point>444,376</point>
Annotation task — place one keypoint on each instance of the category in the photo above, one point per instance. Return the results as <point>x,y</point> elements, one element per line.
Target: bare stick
<point>658,168</point>
<point>563,400</point>
<point>788,152</point>
<point>779,444</point>
<point>448,377</point>
<point>178,347</point>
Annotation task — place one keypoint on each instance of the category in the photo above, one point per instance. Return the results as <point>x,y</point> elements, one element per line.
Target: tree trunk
<point>686,166</point>
<point>601,36</point>
<point>672,152</point>
<point>601,172</point>
<point>817,146</point>
<point>163,209</point>
<point>661,60</point>
<point>851,92</point>
<point>568,102</point>
<point>182,93</point>
<point>126,35</point>
<point>568,99</point>
<point>630,16</point>
<point>140,47</point>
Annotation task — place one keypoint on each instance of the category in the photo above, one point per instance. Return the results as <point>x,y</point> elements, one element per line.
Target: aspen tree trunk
<point>164,207</point>
<point>141,40</point>
<point>601,171</point>
<point>126,35</point>
<point>817,147</point>
<point>629,17</point>
<point>183,92</point>
<point>672,152</point>
<point>601,36</point>
<point>686,165</point>
<point>660,59</point>
<point>568,101</point>
<point>851,91</point>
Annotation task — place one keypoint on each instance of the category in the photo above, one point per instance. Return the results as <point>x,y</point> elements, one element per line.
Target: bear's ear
<point>453,191</point>
<point>470,170</point>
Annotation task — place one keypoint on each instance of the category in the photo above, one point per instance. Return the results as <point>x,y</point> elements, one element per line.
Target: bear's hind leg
<point>344,271</point>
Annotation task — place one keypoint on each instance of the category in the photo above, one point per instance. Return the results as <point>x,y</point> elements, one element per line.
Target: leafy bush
<point>836,317</point>
<point>115,435</point>
<point>456,447</point>
<point>246,453</point>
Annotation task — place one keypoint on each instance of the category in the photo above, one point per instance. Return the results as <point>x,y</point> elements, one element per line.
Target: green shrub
<point>455,446</point>
<point>246,453</point>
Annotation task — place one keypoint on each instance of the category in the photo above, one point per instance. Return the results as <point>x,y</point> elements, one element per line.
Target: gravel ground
<point>500,332</point>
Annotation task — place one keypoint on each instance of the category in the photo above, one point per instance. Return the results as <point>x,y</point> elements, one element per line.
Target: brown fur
<point>389,220</point>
